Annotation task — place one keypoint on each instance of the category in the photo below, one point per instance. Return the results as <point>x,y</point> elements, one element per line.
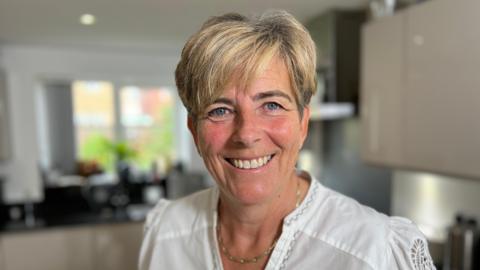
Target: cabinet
<point>442,127</point>
<point>2,260</point>
<point>4,130</point>
<point>114,246</point>
<point>382,92</point>
<point>337,37</point>
<point>420,89</point>
<point>58,249</point>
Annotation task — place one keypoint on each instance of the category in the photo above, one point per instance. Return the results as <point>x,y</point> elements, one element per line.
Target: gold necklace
<point>263,254</point>
<point>243,260</point>
<point>297,195</point>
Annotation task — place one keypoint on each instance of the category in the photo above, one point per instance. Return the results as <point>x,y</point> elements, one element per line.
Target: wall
<point>27,67</point>
<point>57,127</point>
<point>4,135</point>
<point>432,201</point>
<point>343,170</point>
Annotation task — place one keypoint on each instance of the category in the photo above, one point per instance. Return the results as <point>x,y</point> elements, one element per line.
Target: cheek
<point>212,137</point>
<point>285,132</point>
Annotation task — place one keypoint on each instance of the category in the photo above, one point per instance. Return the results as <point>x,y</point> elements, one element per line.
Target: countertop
<point>133,213</point>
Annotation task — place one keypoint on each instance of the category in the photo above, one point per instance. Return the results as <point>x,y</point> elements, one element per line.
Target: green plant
<point>105,151</point>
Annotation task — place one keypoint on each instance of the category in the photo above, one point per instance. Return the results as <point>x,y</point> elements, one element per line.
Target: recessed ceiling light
<point>87,19</point>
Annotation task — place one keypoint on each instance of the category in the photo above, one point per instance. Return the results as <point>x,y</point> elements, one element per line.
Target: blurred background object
<point>462,250</point>
<point>381,8</point>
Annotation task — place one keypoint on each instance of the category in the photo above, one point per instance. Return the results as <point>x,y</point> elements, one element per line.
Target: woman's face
<point>249,138</point>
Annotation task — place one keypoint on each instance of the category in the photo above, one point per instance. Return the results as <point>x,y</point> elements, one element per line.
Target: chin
<point>251,194</point>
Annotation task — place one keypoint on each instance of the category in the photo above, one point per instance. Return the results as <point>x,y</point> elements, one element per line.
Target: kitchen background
<point>92,132</point>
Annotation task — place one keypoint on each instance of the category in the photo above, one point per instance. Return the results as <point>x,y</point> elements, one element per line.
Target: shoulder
<point>171,225</point>
<point>170,218</point>
<point>408,248</point>
<point>381,241</point>
<point>348,226</point>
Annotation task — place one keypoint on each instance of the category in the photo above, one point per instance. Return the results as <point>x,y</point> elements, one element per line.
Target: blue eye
<point>220,113</point>
<point>217,112</point>
<point>272,106</point>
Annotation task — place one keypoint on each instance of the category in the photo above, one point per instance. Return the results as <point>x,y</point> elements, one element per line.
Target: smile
<point>250,164</point>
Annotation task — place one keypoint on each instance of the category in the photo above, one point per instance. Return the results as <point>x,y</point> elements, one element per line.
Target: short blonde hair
<point>234,44</point>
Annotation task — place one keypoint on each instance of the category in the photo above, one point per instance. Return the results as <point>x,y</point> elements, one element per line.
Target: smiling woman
<point>245,127</point>
<point>246,84</point>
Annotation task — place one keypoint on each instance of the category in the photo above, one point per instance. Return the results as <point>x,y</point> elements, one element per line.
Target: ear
<point>304,124</point>
<point>193,130</point>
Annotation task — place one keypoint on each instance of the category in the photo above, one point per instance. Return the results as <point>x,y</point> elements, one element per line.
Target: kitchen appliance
<point>1,189</point>
<point>462,250</point>
<point>3,216</point>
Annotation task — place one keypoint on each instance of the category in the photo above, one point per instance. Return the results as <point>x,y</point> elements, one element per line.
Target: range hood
<point>331,111</point>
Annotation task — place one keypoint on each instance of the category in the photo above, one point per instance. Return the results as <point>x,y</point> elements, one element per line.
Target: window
<point>147,120</point>
<point>130,122</point>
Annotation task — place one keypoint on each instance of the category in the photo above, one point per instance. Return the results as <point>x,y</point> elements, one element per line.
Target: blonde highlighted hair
<point>233,46</point>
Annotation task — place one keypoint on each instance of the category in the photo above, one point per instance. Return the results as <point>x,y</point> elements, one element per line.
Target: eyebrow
<point>259,96</point>
<point>224,101</point>
<point>272,93</point>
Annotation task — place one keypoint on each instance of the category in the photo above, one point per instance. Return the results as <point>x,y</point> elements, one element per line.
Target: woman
<point>246,84</point>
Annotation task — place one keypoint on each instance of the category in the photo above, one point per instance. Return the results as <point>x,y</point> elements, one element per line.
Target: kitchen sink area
<point>92,227</point>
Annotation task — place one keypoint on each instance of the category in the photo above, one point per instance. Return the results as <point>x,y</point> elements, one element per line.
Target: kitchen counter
<point>133,213</point>
<point>82,242</point>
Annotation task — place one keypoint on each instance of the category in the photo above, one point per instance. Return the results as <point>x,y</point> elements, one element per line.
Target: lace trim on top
<point>303,207</point>
<point>419,256</point>
<point>300,212</point>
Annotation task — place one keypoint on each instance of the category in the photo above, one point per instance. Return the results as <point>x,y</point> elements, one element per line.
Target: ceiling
<point>134,24</point>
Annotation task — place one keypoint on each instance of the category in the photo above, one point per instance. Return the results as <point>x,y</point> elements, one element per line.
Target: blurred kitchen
<point>92,132</point>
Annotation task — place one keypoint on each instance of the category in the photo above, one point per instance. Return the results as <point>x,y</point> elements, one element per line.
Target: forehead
<point>273,76</point>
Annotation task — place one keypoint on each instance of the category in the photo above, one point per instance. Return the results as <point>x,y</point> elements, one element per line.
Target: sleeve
<point>408,248</point>
<point>149,234</point>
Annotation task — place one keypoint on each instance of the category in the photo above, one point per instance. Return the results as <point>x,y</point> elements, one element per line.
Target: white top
<point>327,231</point>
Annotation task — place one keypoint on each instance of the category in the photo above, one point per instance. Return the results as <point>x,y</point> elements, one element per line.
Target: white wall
<point>432,201</point>
<point>26,67</point>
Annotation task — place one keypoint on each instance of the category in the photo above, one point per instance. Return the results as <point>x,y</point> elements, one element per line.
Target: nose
<point>247,130</point>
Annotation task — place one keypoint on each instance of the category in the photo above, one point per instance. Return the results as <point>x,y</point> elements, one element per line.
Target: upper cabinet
<point>337,38</point>
<point>4,131</point>
<point>421,89</point>
<point>382,91</point>
<point>443,87</point>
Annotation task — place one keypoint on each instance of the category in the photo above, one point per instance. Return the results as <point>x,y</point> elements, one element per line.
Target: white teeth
<point>251,164</point>
<point>260,162</point>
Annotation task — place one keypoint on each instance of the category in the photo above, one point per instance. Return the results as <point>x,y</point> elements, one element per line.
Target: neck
<point>253,226</point>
